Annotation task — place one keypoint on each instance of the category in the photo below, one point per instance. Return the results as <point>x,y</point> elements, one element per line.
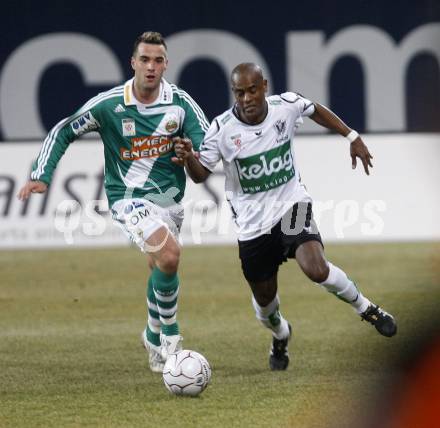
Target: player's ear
<point>265,85</point>
<point>132,62</point>
<point>166,63</point>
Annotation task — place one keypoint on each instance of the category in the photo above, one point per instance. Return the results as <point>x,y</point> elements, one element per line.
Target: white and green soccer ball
<point>186,373</point>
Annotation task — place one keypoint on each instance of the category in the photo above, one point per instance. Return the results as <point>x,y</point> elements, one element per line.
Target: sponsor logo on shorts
<point>84,123</point>
<point>267,170</point>
<point>138,216</point>
<point>147,147</point>
<point>128,209</point>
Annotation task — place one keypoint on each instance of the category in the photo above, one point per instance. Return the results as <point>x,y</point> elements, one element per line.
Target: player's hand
<point>183,148</point>
<point>31,187</point>
<point>358,149</point>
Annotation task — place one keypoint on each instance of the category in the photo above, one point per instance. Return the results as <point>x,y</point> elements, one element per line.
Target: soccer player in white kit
<point>271,207</point>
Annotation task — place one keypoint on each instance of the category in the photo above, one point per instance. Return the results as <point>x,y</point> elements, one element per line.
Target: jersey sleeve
<point>301,105</point>
<point>195,123</point>
<point>210,153</point>
<point>85,120</point>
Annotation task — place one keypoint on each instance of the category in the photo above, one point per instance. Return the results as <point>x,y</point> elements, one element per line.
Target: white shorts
<point>139,219</point>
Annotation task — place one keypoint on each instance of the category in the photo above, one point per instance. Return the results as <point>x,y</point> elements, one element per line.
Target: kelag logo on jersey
<point>265,171</point>
<point>147,147</point>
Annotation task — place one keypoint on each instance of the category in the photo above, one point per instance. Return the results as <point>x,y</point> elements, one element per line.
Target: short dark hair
<point>246,67</point>
<point>150,37</point>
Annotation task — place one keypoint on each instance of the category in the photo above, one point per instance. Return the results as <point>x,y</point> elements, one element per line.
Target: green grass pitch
<point>70,354</point>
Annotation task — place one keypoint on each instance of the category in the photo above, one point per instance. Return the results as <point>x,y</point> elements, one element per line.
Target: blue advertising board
<point>375,63</point>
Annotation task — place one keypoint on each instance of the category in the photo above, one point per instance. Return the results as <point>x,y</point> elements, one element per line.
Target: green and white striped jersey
<point>137,141</point>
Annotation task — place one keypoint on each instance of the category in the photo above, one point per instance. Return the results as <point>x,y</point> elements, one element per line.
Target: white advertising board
<point>399,201</point>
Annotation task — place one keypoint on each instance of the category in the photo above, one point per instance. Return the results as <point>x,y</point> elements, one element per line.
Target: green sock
<point>153,323</point>
<point>166,290</point>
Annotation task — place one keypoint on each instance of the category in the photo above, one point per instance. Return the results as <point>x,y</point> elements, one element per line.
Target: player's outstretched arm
<point>325,117</point>
<point>31,187</point>
<point>186,156</point>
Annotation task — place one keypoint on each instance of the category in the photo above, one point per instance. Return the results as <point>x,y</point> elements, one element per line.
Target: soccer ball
<point>186,373</point>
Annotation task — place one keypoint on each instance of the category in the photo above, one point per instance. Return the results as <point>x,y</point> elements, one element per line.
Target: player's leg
<point>154,229</point>
<point>260,259</point>
<point>151,335</point>
<point>266,303</point>
<point>165,252</point>
<point>152,330</point>
<point>310,257</point>
<point>301,240</point>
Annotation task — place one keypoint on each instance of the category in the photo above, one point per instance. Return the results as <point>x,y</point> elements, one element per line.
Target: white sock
<point>343,287</point>
<point>271,317</point>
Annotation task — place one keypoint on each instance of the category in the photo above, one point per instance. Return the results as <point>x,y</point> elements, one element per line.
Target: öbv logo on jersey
<point>267,170</point>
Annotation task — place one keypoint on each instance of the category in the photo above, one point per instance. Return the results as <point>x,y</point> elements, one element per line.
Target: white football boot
<point>154,354</point>
<point>170,344</point>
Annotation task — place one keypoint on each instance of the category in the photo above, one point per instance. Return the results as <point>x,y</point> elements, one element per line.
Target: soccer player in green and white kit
<point>138,122</point>
<point>272,209</point>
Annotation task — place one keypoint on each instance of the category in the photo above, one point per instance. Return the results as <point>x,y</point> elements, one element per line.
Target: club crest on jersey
<point>280,126</point>
<point>237,140</point>
<point>171,125</point>
<point>128,128</point>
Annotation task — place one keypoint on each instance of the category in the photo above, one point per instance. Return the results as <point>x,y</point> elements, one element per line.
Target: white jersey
<point>262,179</point>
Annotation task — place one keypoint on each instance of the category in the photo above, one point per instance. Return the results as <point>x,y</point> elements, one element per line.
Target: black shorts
<point>260,257</point>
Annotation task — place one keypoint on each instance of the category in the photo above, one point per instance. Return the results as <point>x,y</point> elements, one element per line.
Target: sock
<point>166,290</point>
<point>271,317</point>
<point>339,284</point>
<point>153,322</point>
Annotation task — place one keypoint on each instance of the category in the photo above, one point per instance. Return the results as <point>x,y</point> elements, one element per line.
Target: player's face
<point>149,64</point>
<point>250,95</point>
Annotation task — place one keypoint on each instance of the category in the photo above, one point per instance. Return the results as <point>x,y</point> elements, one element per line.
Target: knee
<point>169,261</point>
<point>317,272</point>
<point>264,298</point>
<point>264,293</point>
